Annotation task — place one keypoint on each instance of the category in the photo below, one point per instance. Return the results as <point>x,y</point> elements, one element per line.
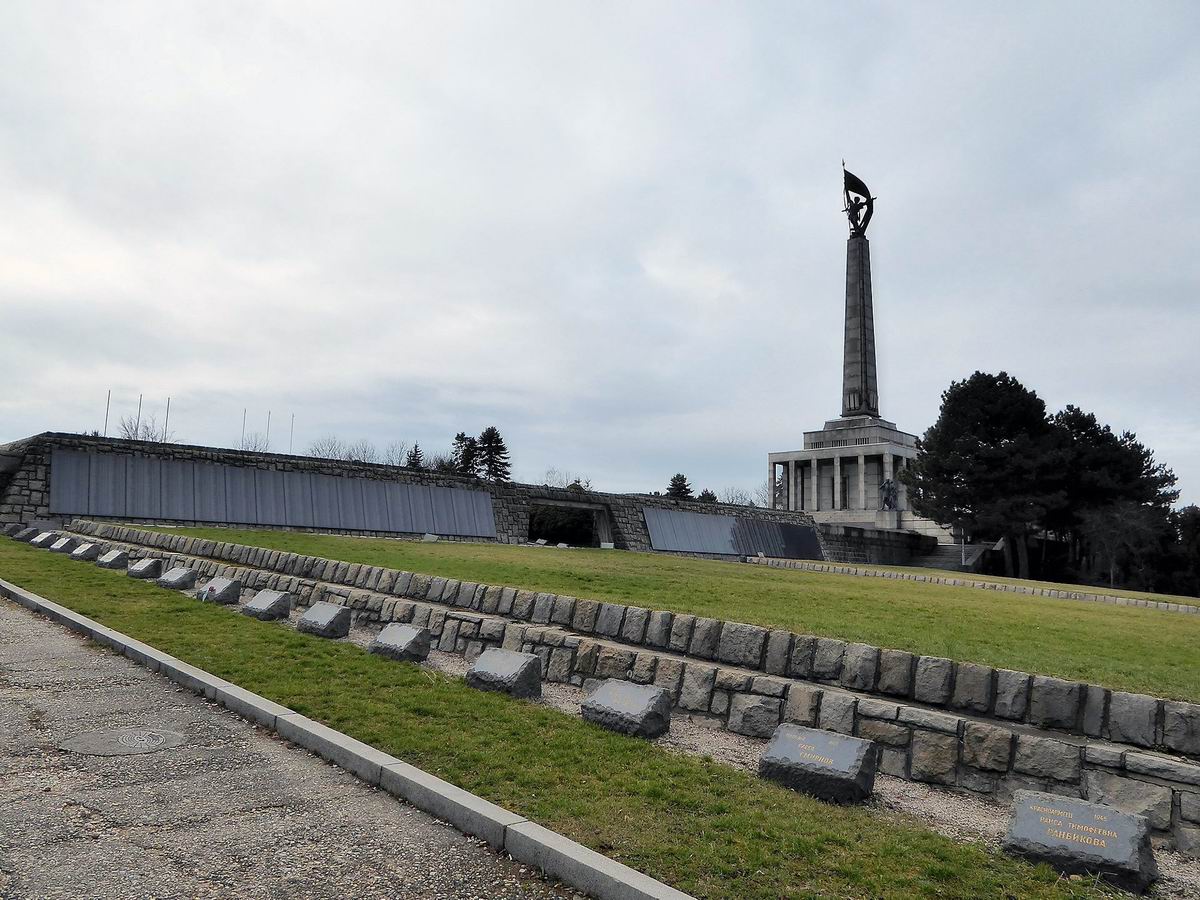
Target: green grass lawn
<point>706,828</point>
<point>1139,650</point>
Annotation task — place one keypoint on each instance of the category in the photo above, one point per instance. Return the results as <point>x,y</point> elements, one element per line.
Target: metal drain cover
<point>122,741</point>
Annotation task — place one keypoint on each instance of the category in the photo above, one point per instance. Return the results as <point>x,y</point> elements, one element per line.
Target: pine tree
<point>679,487</point>
<point>707,496</point>
<point>415,458</point>
<point>493,455</point>
<point>466,455</point>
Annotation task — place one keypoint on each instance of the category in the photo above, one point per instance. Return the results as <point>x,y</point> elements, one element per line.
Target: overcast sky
<point>611,229</point>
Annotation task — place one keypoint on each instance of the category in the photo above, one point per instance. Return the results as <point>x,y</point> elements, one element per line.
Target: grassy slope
<point>706,828</point>
<point>1129,649</point>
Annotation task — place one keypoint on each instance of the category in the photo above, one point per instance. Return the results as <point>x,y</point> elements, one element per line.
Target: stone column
<point>862,481</point>
<point>790,468</point>
<point>838,502</point>
<point>815,502</point>
<point>902,494</point>
<point>771,485</point>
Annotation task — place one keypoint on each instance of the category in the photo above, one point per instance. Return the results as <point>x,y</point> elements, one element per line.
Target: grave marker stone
<point>145,568</point>
<point>507,671</point>
<point>26,535</point>
<point>267,605</point>
<point>403,642</point>
<point>45,539</point>
<point>327,620</point>
<point>179,578</point>
<point>64,545</point>
<point>429,538</point>
<point>12,528</point>
<point>221,590</point>
<point>642,710</point>
<point>1081,838</point>
<point>829,766</point>
<point>86,552</point>
<point>113,559</point>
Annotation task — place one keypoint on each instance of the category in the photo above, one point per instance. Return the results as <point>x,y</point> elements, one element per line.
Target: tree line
<point>485,456</point>
<point>997,465</point>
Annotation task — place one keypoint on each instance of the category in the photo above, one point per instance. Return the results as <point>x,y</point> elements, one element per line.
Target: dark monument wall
<point>27,493</point>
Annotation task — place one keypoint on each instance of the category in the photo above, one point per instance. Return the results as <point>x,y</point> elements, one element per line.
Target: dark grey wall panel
<point>178,489</point>
<point>106,485</point>
<point>375,508</point>
<point>209,479</point>
<point>297,493</point>
<point>420,501</point>
<point>69,476</point>
<point>121,485</point>
<point>239,495</point>
<point>269,497</point>
<point>350,503</point>
<point>672,529</point>
<point>398,498</point>
<point>325,502</point>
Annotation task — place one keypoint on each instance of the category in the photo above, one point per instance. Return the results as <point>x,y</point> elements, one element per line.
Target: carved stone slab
<point>642,710</point>
<point>26,535</point>
<point>179,578</point>
<point>64,545</point>
<point>507,671</point>
<point>45,539</point>
<point>826,765</point>
<point>12,528</point>
<point>268,605</point>
<point>145,568</point>
<point>113,559</point>
<point>404,642</point>
<point>86,552</point>
<point>1081,838</point>
<point>327,620</point>
<point>221,590</point>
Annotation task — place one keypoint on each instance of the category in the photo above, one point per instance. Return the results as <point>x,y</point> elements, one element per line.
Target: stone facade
<point>26,475</point>
<point>958,724</point>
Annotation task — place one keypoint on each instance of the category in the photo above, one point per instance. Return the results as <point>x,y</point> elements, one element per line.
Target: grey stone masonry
<point>64,545</point>
<point>268,605</point>
<point>86,552</point>
<point>827,766</point>
<point>508,672</point>
<point>179,578</point>
<point>221,590</point>
<point>947,738</point>
<point>147,568</point>
<point>113,559</point>
<point>327,620</point>
<point>403,642</point>
<point>12,529</point>
<point>1081,838</point>
<point>641,710</point>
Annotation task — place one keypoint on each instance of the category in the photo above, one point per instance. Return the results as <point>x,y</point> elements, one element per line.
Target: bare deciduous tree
<point>362,451</point>
<point>736,496</point>
<point>555,478</point>
<point>147,429</point>
<point>395,453</point>
<point>255,442</point>
<point>328,447</point>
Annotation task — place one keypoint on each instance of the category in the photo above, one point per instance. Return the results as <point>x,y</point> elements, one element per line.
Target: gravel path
<point>232,812</point>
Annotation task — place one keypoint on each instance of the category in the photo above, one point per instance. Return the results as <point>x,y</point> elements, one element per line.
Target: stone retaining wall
<point>853,543</point>
<point>938,721</point>
<point>1028,590</point>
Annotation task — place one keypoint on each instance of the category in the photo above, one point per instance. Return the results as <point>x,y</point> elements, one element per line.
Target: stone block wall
<point>855,544</point>
<point>940,721</point>
<point>26,498</point>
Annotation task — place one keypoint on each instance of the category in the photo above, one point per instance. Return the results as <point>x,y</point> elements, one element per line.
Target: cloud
<point>612,231</point>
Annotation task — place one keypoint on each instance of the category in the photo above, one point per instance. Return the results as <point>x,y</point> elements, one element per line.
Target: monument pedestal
<point>888,518</point>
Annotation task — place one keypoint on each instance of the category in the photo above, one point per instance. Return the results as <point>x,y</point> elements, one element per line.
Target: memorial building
<point>848,471</point>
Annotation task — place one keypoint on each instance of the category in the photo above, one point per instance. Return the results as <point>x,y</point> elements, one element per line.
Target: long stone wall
<point>28,464</point>
<point>939,721</point>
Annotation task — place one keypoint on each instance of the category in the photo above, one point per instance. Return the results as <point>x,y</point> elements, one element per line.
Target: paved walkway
<point>232,812</point>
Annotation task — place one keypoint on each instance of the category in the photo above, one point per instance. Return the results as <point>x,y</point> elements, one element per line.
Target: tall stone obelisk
<point>860,386</point>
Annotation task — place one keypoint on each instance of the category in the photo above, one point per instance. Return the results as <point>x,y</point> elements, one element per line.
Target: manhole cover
<point>122,741</point>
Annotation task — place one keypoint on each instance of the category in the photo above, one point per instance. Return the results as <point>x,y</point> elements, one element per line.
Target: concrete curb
<point>527,842</point>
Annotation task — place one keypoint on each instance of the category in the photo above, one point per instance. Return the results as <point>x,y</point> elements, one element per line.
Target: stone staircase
<point>946,556</point>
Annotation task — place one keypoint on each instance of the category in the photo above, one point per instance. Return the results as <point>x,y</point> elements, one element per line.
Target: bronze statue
<point>889,493</point>
<point>859,202</point>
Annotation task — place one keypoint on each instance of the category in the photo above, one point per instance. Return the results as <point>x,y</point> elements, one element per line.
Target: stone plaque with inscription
<point>145,568</point>
<point>1081,838</point>
<point>221,590</point>
<point>327,620</point>
<point>826,765</point>
<point>113,559</point>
